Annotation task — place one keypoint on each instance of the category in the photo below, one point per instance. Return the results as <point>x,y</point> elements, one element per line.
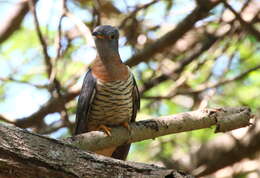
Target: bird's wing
<point>136,101</point>
<point>121,152</point>
<point>85,99</point>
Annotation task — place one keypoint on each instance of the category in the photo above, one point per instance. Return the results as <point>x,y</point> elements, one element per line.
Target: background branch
<point>47,58</point>
<point>184,55</point>
<point>233,151</point>
<point>172,36</point>
<point>14,20</point>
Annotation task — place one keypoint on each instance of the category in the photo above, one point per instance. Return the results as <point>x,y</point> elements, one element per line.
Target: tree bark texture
<point>27,155</point>
<point>225,119</point>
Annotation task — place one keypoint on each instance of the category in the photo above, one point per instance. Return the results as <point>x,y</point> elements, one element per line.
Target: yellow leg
<point>106,129</point>
<point>127,126</point>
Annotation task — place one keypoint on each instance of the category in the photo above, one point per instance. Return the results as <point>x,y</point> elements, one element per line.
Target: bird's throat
<point>111,69</point>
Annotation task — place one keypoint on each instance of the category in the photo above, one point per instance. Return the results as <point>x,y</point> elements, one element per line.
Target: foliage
<point>216,63</point>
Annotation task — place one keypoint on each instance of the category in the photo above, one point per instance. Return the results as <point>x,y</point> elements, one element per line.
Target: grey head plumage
<point>106,40</point>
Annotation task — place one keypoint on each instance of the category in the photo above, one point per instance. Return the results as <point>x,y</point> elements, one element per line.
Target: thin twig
<point>180,65</point>
<point>204,87</point>
<point>47,58</point>
<point>172,36</point>
<point>83,29</point>
<point>220,83</point>
<point>134,12</point>
<point>245,24</point>
<point>11,79</point>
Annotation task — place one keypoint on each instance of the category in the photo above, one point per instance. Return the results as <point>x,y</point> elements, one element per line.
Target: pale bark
<point>27,155</point>
<point>225,119</point>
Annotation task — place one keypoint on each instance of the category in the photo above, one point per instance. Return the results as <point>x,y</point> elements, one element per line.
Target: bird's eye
<point>112,36</point>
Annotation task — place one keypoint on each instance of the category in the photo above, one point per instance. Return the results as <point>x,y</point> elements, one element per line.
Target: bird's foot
<point>106,129</point>
<point>127,126</point>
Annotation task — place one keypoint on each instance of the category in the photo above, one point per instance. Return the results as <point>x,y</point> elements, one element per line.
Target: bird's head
<point>106,40</point>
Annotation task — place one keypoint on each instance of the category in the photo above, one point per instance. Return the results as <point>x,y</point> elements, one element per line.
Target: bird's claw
<point>106,129</point>
<point>127,126</point>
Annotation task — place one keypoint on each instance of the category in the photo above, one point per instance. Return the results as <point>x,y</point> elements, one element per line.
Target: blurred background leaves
<point>214,63</point>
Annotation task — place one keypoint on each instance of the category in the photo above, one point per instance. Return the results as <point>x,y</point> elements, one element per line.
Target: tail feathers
<point>106,152</point>
<point>121,152</point>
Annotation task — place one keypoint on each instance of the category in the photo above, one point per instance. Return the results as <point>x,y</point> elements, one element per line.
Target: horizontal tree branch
<point>52,106</point>
<point>45,156</point>
<point>24,154</point>
<point>224,118</point>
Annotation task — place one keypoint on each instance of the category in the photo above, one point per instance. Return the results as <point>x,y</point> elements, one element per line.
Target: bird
<point>109,95</point>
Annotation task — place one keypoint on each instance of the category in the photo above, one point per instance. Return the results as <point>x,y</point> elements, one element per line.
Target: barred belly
<point>112,103</point>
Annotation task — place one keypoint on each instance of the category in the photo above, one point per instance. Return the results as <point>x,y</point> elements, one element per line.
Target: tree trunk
<point>28,155</point>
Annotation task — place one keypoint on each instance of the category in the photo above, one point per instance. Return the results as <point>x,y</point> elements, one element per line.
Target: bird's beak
<point>98,35</point>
